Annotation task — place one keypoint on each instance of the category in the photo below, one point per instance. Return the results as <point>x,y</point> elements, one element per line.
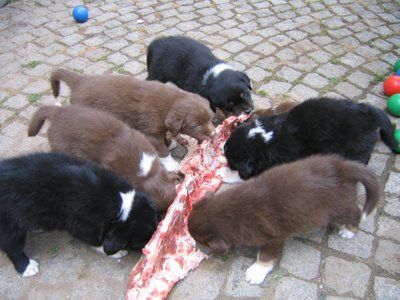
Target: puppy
<point>315,126</point>
<point>51,191</point>
<point>148,106</point>
<point>279,109</point>
<point>287,200</point>
<point>99,137</point>
<point>192,67</point>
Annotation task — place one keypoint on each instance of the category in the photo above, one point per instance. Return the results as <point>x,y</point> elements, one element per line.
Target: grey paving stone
<point>301,92</point>
<point>393,184</point>
<point>280,40</point>
<point>315,80</point>
<point>361,245</point>
<point>286,55</point>
<point>5,114</point>
<point>257,74</point>
<point>388,228</point>
<point>386,288</point>
<point>265,49</point>
<point>295,289</point>
<point>348,90</point>
<point>274,87</point>
<point>386,256</point>
<point>16,102</point>
<point>288,74</point>
<point>346,277</point>
<point>392,206</point>
<point>360,79</point>
<point>330,70</point>
<point>236,285</point>
<point>352,60</point>
<point>246,57</point>
<point>300,260</point>
<point>320,56</point>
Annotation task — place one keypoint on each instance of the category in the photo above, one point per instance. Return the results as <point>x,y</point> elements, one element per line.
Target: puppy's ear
<point>247,80</point>
<point>218,246</point>
<point>174,122</point>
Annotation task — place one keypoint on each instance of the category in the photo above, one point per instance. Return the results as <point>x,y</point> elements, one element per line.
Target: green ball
<point>393,105</point>
<point>396,65</point>
<point>397,137</point>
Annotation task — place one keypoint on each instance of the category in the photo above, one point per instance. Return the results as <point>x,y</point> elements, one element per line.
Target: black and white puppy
<point>51,191</point>
<point>192,67</point>
<point>316,126</point>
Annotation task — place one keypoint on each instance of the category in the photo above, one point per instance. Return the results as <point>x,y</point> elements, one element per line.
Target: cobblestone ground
<point>290,50</point>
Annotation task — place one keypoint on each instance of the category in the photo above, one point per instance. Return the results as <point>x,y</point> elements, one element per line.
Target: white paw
<point>170,163</point>
<point>229,176</point>
<point>31,269</point>
<point>173,145</point>
<point>346,234</point>
<point>119,254</point>
<point>98,249</point>
<point>256,273</point>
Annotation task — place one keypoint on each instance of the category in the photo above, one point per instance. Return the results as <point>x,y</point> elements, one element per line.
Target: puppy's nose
<point>248,110</point>
<point>212,133</point>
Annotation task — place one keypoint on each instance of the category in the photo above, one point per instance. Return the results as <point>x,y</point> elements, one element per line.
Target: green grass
<point>276,275</point>
<point>324,32</point>
<point>378,78</point>
<point>102,58</point>
<point>80,71</point>
<point>335,80</point>
<point>34,97</point>
<point>262,93</point>
<point>121,70</point>
<point>32,64</point>
<point>53,251</point>
<point>335,61</point>
<point>82,276</point>
<point>225,256</point>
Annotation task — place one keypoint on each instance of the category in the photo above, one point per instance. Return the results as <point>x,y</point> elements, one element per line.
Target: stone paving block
<point>295,289</point>
<point>392,206</point>
<point>393,184</point>
<point>386,288</point>
<point>360,245</point>
<point>315,80</point>
<point>301,92</point>
<point>300,260</point>
<point>236,285</point>
<point>346,277</point>
<point>257,74</point>
<point>288,74</point>
<point>389,228</point>
<point>16,102</point>
<point>348,90</point>
<point>274,88</point>
<point>360,79</point>
<point>387,256</point>
<point>4,115</point>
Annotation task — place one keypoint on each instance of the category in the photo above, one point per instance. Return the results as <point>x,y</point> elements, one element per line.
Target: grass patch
<point>32,64</point>
<point>276,275</point>
<point>80,71</point>
<point>262,93</point>
<point>335,61</point>
<point>53,251</point>
<point>225,256</point>
<point>82,276</point>
<point>121,70</point>
<point>34,97</point>
<point>335,80</point>
<point>324,32</point>
<point>102,58</point>
<point>378,78</point>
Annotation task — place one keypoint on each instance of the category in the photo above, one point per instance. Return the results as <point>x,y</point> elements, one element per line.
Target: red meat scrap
<point>171,253</point>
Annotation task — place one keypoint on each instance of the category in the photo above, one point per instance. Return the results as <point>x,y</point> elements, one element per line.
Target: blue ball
<point>398,72</point>
<point>80,13</point>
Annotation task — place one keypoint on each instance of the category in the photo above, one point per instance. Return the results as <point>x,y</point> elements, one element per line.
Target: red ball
<point>392,85</point>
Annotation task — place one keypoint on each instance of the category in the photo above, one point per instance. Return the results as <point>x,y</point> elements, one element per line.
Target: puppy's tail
<point>69,77</point>
<point>39,117</point>
<point>385,127</point>
<point>357,172</point>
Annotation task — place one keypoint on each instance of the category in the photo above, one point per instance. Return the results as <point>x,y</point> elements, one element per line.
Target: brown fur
<point>99,137</point>
<point>284,201</point>
<point>281,108</point>
<point>148,106</point>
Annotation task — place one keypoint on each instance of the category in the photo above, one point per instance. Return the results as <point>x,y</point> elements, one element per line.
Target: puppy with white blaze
<point>285,201</point>
<point>316,126</point>
<point>52,191</point>
<point>192,67</point>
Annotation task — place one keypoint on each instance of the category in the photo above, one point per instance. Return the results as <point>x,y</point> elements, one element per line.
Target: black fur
<point>316,126</point>
<point>51,191</point>
<point>184,62</point>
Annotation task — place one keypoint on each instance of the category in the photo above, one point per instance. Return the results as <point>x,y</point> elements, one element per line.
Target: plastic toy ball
<point>398,72</point>
<point>391,85</point>
<point>396,66</point>
<point>80,13</point>
<point>397,137</point>
<point>393,105</point>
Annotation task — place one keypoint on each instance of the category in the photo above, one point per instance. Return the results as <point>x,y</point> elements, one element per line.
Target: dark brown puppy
<point>286,200</point>
<point>148,106</point>
<point>276,110</point>
<point>97,136</point>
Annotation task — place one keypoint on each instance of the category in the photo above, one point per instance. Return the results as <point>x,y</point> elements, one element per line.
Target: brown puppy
<point>148,106</point>
<point>284,201</point>
<point>97,136</point>
<point>276,110</point>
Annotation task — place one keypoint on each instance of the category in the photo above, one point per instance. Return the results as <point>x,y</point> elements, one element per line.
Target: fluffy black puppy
<point>316,126</point>
<point>50,191</point>
<point>192,67</point>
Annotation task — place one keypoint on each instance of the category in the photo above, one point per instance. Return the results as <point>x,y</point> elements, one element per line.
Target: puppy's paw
<point>229,176</point>
<point>119,254</point>
<point>31,269</point>
<point>257,272</point>
<point>346,234</point>
<point>169,163</point>
<point>173,145</point>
